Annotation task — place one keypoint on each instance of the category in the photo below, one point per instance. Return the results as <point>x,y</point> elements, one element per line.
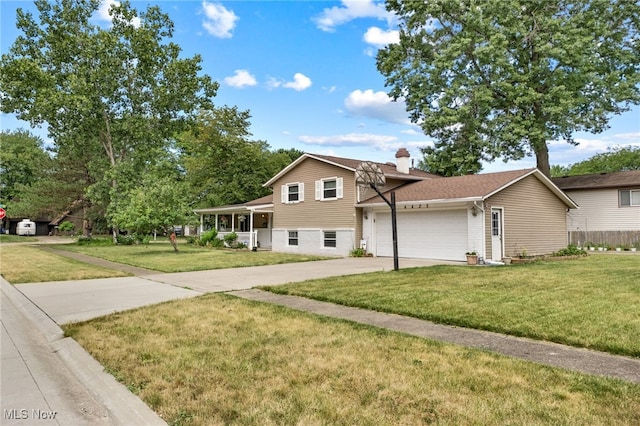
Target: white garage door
<point>427,235</point>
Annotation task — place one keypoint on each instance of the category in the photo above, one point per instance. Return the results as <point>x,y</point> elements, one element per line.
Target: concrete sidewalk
<point>553,354</point>
<point>48,379</point>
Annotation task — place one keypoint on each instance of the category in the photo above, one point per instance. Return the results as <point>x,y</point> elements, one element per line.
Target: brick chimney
<point>403,161</point>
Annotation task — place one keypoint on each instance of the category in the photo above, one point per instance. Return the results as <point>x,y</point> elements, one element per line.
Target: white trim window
<point>292,193</point>
<point>330,239</point>
<point>292,238</point>
<point>630,198</point>
<point>329,189</point>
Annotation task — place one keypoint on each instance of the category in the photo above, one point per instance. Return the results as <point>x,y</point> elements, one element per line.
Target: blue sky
<point>306,70</point>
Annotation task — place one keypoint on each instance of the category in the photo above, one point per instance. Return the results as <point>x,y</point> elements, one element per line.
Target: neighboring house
<point>609,210</point>
<point>42,225</point>
<point>250,221</point>
<point>317,208</point>
<point>494,214</point>
<point>75,215</point>
<point>314,209</point>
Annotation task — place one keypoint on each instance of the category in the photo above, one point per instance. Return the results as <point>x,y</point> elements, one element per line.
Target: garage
<point>438,234</point>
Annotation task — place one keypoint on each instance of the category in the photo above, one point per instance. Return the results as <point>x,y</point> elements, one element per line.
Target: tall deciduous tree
<point>124,89</point>
<point>223,165</point>
<point>506,76</point>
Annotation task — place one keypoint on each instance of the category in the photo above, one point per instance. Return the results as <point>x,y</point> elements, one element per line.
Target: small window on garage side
<point>293,238</point>
<point>330,239</point>
<point>630,198</point>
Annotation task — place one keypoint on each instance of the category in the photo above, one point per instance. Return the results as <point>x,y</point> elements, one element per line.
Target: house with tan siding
<point>318,208</point>
<point>496,215</point>
<point>315,202</point>
<point>609,207</point>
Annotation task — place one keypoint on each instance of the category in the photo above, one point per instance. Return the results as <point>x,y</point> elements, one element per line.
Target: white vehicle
<point>26,227</point>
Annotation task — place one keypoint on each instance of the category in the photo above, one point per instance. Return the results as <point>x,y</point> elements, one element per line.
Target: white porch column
<point>233,224</point>
<point>217,227</point>
<point>251,236</point>
<point>201,224</point>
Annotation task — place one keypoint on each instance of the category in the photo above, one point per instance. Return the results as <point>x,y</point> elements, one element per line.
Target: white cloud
<point>350,139</point>
<point>240,78</point>
<point>412,131</point>
<point>300,82</point>
<point>363,141</point>
<point>350,10</point>
<point>380,38</point>
<point>376,105</point>
<point>219,21</point>
<point>102,13</point>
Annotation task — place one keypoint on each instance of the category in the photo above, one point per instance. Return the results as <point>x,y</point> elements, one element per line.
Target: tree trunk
<point>542,158</point>
<point>172,238</point>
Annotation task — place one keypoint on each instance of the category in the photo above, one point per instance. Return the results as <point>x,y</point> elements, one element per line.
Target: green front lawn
<point>161,257</point>
<point>592,302</point>
<point>8,238</point>
<point>28,264</point>
<point>217,360</point>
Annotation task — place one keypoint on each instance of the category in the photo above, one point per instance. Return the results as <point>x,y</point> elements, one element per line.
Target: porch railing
<point>250,239</point>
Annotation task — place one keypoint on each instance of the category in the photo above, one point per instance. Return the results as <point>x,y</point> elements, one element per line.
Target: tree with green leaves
<point>23,161</point>
<point>503,77</point>
<point>158,202</point>
<point>121,91</point>
<point>223,165</point>
<point>617,159</point>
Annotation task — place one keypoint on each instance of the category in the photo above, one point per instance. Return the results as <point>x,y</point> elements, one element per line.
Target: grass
<point>8,238</point>
<point>222,360</point>
<point>591,302</point>
<point>161,257</point>
<point>28,264</point>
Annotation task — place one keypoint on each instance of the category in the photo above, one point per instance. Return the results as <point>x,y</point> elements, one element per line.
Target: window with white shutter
<point>292,193</point>
<point>329,189</point>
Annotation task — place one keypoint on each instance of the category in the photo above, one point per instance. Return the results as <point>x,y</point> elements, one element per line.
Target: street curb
<point>124,407</point>
<point>40,320</point>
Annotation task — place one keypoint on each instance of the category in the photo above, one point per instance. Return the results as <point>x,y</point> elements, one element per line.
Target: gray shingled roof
<point>599,181</point>
<point>454,188</point>
<point>389,169</point>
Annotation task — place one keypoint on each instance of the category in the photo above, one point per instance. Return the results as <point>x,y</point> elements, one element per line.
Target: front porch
<point>251,221</point>
<point>259,238</point>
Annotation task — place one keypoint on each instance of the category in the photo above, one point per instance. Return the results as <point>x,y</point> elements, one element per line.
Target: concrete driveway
<point>72,301</point>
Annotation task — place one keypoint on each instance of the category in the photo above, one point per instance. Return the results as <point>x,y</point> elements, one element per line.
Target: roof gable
<point>467,188</point>
<point>389,169</point>
<point>599,180</point>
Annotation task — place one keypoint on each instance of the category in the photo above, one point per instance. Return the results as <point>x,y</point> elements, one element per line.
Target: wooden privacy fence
<point>612,238</point>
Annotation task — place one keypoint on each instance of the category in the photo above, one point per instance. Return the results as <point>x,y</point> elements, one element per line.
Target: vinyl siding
<point>366,193</point>
<point>600,211</point>
<point>311,213</point>
<point>534,218</point>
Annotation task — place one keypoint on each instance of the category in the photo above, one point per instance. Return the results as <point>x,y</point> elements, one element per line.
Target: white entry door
<point>496,234</point>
